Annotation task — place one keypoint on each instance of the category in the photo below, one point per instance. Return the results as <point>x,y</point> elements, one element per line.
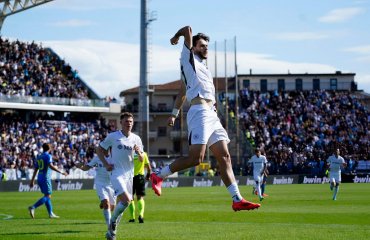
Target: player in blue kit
<point>43,164</point>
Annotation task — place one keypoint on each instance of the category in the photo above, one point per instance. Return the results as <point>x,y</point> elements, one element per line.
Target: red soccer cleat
<point>245,205</point>
<point>265,195</point>
<point>156,184</point>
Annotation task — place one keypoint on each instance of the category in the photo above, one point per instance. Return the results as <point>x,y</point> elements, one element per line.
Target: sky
<point>101,39</point>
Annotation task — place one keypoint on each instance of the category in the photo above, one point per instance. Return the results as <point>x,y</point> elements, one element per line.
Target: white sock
<point>165,172</point>
<point>119,219</point>
<point>336,189</point>
<point>107,216</point>
<point>234,192</point>
<point>120,208</point>
<point>259,189</point>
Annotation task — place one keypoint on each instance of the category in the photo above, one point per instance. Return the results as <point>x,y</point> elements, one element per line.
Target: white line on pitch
<point>6,216</point>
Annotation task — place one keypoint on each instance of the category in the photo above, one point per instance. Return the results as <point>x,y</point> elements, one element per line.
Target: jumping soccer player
<point>204,126</point>
<point>43,164</point>
<point>335,162</point>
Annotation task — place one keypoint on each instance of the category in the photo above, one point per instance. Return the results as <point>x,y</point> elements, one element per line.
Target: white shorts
<point>257,177</point>
<point>204,126</point>
<point>122,184</point>
<point>335,176</point>
<point>106,192</point>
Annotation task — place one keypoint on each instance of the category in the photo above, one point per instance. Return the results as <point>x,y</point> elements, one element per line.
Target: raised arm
<point>186,33</point>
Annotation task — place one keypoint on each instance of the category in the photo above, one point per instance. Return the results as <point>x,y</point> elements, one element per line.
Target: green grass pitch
<point>290,212</point>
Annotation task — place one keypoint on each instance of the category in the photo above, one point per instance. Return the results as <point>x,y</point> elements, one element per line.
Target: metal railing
<point>54,101</point>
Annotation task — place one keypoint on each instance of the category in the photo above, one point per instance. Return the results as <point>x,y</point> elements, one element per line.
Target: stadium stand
<point>299,129</point>
<point>32,74</point>
<point>28,69</point>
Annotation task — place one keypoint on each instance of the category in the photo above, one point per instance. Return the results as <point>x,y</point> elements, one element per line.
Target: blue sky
<point>101,38</point>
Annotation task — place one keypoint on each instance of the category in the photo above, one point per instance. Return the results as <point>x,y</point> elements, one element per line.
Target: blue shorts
<point>45,185</point>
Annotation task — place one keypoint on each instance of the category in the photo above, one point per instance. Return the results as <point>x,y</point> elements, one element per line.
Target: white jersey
<point>197,77</point>
<point>102,175</point>
<point>258,164</point>
<point>122,151</point>
<point>335,163</point>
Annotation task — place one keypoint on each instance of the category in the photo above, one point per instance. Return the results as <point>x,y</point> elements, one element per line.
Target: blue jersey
<point>42,163</point>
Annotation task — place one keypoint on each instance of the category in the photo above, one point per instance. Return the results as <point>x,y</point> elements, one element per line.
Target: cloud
<point>362,51</point>
<point>341,14</point>
<point>266,64</point>
<point>72,23</point>
<point>107,67</point>
<point>300,36</point>
<point>363,82</point>
<point>365,49</point>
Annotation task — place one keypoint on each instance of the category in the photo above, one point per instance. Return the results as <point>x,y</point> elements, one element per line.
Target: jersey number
<point>40,163</point>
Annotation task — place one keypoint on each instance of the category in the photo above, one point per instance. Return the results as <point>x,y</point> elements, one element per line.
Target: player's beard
<point>202,56</point>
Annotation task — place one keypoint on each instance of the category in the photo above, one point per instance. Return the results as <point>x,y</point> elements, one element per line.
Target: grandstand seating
<point>299,130</point>
<point>33,73</point>
<point>28,69</point>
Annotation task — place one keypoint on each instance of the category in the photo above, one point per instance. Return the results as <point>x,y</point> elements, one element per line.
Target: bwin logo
<point>119,146</point>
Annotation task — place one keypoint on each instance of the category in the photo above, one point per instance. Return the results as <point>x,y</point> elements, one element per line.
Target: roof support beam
<point>10,7</point>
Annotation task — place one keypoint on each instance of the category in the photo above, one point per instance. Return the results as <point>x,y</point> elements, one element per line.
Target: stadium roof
<point>10,7</point>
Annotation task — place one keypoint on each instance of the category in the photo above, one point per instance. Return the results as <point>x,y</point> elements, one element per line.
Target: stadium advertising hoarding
<point>62,185</point>
<point>309,179</point>
<point>84,184</point>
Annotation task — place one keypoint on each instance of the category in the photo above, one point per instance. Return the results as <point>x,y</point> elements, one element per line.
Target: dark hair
<point>199,36</point>
<point>126,114</point>
<point>45,147</point>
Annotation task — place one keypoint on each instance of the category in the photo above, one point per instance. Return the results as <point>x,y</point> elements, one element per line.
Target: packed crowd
<point>21,142</point>
<point>28,69</point>
<point>299,130</point>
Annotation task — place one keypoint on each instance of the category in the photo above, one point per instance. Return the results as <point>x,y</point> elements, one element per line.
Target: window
<point>162,107</point>
<point>333,84</point>
<point>316,84</point>
<point>162,131</point>
<point>281,84</point>
<point>299,84</point>
<point>263,85</point>
<point>246,83</point>
<point>162,151</point>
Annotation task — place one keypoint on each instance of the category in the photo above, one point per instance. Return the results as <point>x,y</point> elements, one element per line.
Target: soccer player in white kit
<point>204,126</point>
<point>123,144</point>
<point>335,162</point>
<point>102,182</point>
<point>259,166</point>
